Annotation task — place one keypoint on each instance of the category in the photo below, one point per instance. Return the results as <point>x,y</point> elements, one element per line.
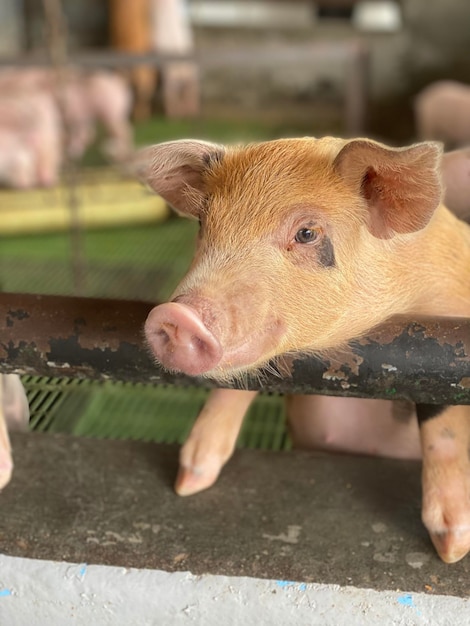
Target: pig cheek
<point>311,305</point>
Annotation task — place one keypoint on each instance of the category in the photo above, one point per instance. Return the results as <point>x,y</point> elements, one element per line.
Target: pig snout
<point>180,340</point>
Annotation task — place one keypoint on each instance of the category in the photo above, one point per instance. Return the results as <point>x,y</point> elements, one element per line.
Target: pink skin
<point>30,139</point>
<point>178,336</point>
<point>187,337</point>
<point>101,97</point>
<point>14,415</point>
<point>17,162</point>
<point>85,100</point>
<point>456,172</point>
<point>442,111</point>
<point>110,101</point>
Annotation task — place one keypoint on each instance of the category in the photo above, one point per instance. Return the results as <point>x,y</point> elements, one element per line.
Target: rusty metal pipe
<point>424,360</point>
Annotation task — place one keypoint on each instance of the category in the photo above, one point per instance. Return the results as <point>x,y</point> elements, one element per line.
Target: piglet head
<point>291,253</point>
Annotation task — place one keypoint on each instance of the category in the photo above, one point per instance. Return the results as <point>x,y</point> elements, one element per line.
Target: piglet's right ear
<point>175,170</point>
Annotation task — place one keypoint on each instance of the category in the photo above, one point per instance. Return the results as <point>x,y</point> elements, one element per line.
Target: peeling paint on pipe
<point>426,360</point>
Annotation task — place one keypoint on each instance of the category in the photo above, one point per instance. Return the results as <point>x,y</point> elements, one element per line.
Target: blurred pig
<point>303,245</point>
<point>442,111</point>
<point>110,102</point>
<point>30,141</point>
<point>17,161</point>
<point>88,100</point>
<point>456,175</point>
<point>83,100</point>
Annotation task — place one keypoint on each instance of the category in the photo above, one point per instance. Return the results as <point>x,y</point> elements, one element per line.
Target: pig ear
<point>401,186</point>
<point>175,170</point>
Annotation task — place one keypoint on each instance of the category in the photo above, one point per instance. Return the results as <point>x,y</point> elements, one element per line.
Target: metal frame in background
<point>353,54</point>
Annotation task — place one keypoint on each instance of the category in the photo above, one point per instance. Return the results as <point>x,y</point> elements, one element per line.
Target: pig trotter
<point>448,519</point>
<point>446,482</point>
<point>212,440</point>
<point>194,478</point>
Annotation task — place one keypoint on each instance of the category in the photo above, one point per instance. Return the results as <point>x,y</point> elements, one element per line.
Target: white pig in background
<point>40,113</point>
<point>30,141</point>
<point>87,100</point>
<point>442,111</point>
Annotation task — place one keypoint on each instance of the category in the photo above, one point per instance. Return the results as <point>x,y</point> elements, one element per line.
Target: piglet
<point>30,141</point>
<point>303,245</point>
<point>82,100</point>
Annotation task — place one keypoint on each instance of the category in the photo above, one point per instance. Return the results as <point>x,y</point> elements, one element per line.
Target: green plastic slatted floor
<point>132,263</point>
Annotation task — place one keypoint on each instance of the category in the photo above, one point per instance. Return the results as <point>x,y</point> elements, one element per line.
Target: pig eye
<point>306,235</point>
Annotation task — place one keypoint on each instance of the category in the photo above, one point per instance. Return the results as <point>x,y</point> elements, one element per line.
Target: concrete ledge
<point>57,594</point>
<point>296,516</point>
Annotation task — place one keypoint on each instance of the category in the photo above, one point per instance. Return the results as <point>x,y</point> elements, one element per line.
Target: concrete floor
<point>326,522</point>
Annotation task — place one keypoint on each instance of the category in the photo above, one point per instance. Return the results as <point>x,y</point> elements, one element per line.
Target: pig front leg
<point>6,463</point>
<point>445,441</point>
<point>212,439</point>
<point>14,412</point>
<point>15,403</point>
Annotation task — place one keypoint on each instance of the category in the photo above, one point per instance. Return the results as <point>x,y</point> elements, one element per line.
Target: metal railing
<point>426,360</point>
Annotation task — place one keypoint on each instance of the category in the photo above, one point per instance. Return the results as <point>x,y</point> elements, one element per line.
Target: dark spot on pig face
<point>327,253</point>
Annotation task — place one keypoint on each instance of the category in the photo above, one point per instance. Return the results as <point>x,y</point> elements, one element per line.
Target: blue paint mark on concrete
<point>83,570</point>
<point>406,600</point>
<point>4,593</point>
<point>284,584</point>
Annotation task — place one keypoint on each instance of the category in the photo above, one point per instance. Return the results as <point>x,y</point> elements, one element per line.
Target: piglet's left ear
<point>401,186</point>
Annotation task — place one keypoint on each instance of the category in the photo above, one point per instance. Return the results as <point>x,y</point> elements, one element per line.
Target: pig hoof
<point>448,525</point>
<point>453,544</point>
<point>191,480</point>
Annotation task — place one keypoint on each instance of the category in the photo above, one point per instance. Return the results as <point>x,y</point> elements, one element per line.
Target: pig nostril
<point>200,344</point>
<point>163,335</point>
